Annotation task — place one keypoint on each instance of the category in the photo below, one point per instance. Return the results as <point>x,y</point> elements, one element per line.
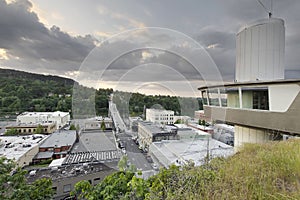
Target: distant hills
<point>10,73</point>
<point>23,91</point>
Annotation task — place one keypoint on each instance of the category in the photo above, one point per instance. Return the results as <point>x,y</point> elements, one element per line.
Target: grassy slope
<point>268,171</point>
<point>258,171</point>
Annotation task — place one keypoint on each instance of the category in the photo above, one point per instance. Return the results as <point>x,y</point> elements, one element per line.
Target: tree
<point>39,129</point>
<point>103,127</point>
<point>12,131</point>
<point>82,190</point>
<point>178,121</point>
<point>122,164</point>
<point>72,127</point>
<point>119,185</point>
<point>13,183</point>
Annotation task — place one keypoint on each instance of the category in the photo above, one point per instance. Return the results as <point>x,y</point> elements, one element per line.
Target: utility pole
<point>207,151</point>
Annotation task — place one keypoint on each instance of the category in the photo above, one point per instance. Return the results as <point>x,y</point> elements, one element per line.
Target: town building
<point>92,158</point>
<point>27,129</point>
<point>133,123</point>
<point>95,123</point>
<point>57,145</point>
<point>20,148</point>
<point>188,133</point>
<point>195,125</point>
<point>160,116</point>
<point>224,133</point>
<point>181,152</point>
<point>200,115</point>
<point>181,119</point>
<point>65,177</point>
<point>260,104</point>
<point>60,119</point>
<point>149,132</point>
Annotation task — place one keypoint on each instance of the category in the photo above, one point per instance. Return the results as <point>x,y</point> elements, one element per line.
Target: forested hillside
<point>23,91</point>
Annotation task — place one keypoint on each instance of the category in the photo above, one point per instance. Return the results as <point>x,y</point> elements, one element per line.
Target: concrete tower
<point>260,51</point>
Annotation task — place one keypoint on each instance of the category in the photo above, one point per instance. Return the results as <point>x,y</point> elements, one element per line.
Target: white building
<point>59,118</point>
<point>181,152</point>
<point>21,149</point>
<point>160,116</point>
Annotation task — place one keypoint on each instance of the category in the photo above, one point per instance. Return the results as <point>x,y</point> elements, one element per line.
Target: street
<point>135,156</point>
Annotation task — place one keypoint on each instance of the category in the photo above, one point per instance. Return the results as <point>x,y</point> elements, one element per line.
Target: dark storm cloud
<point>30,44</point>
<point>221,47</point>
<point>24,37</point>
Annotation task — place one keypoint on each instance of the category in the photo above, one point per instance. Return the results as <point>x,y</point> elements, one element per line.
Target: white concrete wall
<point>40,117</point>
<point>244,135</point>
<point>260,51</point>
<point>25,159</point>
<point>160,116</point>
<point>282,96</point>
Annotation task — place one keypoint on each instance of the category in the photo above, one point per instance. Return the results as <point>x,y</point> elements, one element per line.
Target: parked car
<point>154,166</point>
<point>149,159</point>
<point>121,145</point>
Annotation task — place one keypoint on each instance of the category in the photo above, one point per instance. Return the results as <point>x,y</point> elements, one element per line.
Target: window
<point>67,188</point>
<point>54,190</point>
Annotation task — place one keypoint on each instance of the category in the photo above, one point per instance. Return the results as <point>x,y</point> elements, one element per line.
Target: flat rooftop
<point>13,147</point>
<point>67,171</point>
<point>93,156</point>
<point>171,151</point>
<point>25,125</point>
<point>95,140</point>
<point>60,138</point>
<point>153,128</point>
<point>54,114</point>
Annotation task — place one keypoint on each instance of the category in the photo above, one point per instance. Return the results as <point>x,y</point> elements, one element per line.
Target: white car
<point>155,167</point>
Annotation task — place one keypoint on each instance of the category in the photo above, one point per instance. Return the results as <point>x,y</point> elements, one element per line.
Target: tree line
<point>22,91</point>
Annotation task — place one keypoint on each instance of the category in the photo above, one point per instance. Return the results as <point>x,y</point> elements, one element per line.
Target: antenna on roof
<point>267,10</point>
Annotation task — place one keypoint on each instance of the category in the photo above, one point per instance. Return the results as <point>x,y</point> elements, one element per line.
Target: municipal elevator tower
<point>261,104</point>
<point>260,51</point>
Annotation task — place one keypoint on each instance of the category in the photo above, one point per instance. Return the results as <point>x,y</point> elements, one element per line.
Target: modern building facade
<point>260,104</point>
<point>160,116</point>
<point>60,119</point>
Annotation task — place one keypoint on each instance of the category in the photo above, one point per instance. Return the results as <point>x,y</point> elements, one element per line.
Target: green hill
<point>23,91</point>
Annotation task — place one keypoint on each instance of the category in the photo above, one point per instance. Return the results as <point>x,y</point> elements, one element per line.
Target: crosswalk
<point>92,156</point>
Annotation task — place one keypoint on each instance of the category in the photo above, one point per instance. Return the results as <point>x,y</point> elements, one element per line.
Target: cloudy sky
<point>158,46</point>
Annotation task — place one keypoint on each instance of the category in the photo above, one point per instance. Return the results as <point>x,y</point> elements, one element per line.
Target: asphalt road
<point>135,156</point>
